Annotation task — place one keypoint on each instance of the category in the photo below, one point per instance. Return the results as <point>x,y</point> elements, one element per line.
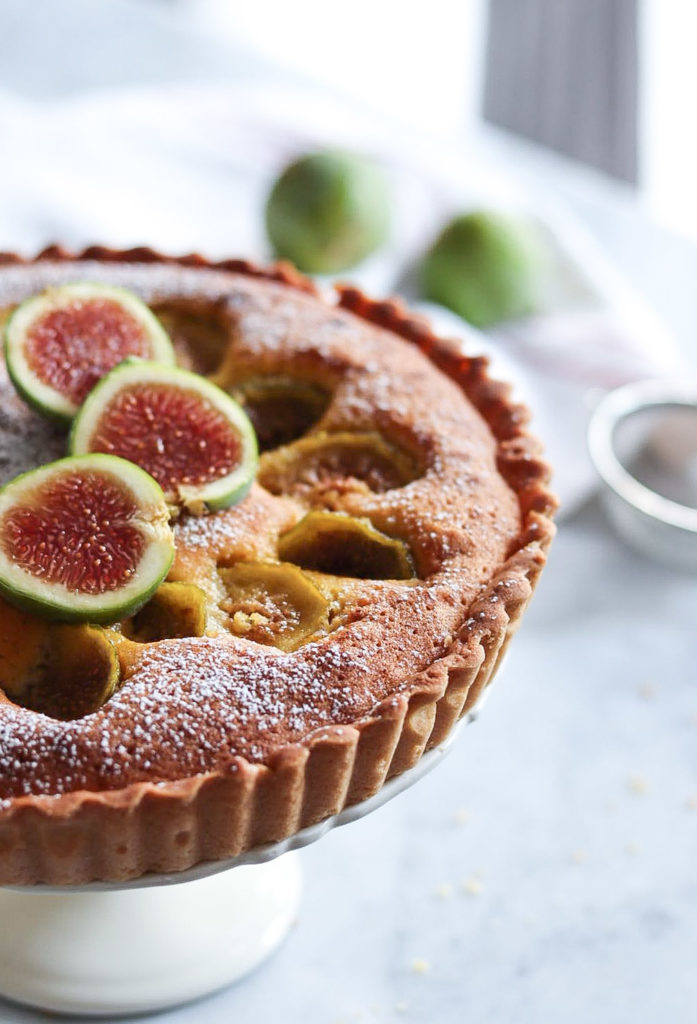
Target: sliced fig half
<point>195,440</point>
<point>83,539</point>
<point>60,343</point>
<point>342,545</point>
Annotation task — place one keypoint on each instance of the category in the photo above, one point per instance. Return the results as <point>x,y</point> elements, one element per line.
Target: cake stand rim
<point>270,851</point>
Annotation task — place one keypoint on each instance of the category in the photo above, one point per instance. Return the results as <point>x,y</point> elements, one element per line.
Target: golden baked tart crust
<point>328,629</point>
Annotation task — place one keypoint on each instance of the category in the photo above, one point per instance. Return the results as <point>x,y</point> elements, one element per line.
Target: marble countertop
<point>545,871</point>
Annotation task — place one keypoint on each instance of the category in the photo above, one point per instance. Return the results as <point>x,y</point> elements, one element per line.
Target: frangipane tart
<point>313,640</point>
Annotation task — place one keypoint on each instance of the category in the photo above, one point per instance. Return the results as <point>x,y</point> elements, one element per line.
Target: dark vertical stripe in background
<point>564,73</point>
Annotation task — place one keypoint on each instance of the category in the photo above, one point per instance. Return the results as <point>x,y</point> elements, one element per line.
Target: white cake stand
<point>131,947</point>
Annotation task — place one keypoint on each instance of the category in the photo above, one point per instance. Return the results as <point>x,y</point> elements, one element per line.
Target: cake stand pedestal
<point>132,947</point>
<point>131,951</point>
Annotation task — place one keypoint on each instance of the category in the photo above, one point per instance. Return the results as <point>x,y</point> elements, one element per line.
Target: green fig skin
<point>328,211</point>
<point>45,398</point>
<point>46,600</point>
<point>487,267</point>
<point>217,494</point>
<point>54,613</point>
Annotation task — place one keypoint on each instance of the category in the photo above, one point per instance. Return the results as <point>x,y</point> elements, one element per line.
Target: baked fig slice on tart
<point>193,438</point>
<point>175,610</point>
<point>59,343</point>
<point>344,545</point>
<point>275,604</point>
<point>83,539</point>
<point>64,670</point>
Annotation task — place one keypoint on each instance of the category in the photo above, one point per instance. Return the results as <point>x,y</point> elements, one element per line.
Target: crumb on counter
<point>420,966</point>
<point>638,785</point>
<point>472,886</point>
<point>444,891</point>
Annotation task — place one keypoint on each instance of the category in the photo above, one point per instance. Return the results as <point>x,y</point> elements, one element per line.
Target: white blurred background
<point>563,826</point>
<point>608,82</point>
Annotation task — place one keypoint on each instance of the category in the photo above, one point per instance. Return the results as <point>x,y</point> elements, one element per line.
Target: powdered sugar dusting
<point>193,705</point>
<point>26,440</point>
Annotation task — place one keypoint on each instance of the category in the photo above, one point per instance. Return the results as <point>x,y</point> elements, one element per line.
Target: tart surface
<point>241,735</point>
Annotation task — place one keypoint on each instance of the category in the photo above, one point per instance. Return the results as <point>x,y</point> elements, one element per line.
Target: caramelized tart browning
<point>389,503</point>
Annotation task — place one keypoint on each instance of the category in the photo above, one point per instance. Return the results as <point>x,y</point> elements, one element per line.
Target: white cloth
<point>188,167</point>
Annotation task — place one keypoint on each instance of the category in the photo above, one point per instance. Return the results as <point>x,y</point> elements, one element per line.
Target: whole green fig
<point>487,267</point>
<point>328,211</point>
